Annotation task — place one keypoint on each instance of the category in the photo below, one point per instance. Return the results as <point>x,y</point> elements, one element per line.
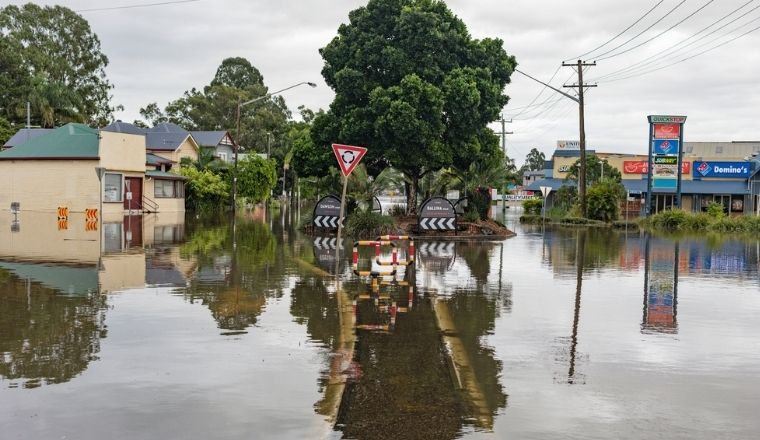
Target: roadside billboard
<point>641,167</point>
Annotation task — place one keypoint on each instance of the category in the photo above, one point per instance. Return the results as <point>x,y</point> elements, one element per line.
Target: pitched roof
<point>26,134</point>
<point>152,159</point>
<point>164,141</point>
<point>72,141</point>
<point>124,127</point>
<point>208,138</point>
<point>167,127</point>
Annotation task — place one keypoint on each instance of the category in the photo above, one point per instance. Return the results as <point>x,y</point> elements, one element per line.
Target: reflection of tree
<point>475,255</point>
<point>474,315</point>
<point>47,337</point>
<point>311,304</point>
<point>237,267</point>
<point>405,377</point>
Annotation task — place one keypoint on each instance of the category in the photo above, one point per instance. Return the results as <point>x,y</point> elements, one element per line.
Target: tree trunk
<point>411,195</point>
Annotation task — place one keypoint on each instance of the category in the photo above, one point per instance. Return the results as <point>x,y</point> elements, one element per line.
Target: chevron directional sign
<point>436,248</point>
<point>437,214</point>
<point>326,242</point>
<point>327,212</point>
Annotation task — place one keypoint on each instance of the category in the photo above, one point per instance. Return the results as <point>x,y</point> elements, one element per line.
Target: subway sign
<point>721,169</point>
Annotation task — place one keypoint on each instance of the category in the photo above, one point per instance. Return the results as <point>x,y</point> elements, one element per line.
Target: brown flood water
<point>159,327</point>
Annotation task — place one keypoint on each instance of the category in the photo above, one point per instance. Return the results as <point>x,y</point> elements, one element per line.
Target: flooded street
<point>159,328</point>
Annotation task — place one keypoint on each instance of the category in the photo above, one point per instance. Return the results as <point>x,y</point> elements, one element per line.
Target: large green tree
<point>596,170</point>
<point>534,160</point>
<point>414,87</point>
<point>50,57</point>
<point>215,108</point>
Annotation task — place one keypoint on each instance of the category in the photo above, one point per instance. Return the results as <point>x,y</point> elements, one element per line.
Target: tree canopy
<point>534,160</point>
<point>50,57</point>
<point>414,87</point>
<point>596,169</point>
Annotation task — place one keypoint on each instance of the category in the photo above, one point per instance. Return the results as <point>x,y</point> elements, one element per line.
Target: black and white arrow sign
<point>326,221</point>
<point>325,242</point>
<point>438,224</point>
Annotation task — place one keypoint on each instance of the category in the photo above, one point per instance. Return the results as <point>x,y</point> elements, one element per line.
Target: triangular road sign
<point>545,190</point>
<point>348,157</point>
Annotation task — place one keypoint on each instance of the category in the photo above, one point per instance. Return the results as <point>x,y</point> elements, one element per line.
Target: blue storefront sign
<point>665,146</point>
<point>739,170</point>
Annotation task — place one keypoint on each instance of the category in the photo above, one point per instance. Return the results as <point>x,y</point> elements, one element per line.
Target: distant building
<point>532,176</point>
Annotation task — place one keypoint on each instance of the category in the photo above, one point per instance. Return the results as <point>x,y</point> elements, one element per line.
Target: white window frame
<point>121,190</point>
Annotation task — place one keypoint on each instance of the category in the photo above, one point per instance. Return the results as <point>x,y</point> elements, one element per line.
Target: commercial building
<point>722,172</point>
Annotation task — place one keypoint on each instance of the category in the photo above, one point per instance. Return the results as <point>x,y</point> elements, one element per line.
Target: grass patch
<point>679,220</point>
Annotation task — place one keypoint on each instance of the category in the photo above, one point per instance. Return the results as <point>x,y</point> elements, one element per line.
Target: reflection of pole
<point>501,265</point>
<point>646,279</point>
<point>342,207</point>
<point>580,252</point>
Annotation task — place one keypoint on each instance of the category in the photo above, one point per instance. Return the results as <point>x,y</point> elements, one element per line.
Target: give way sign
<point>348,157</point>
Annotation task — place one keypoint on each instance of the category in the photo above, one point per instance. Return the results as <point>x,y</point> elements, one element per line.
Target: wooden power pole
<point>579,65</point>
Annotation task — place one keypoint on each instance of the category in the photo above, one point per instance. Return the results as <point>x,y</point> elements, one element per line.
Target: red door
<point>132,193</point>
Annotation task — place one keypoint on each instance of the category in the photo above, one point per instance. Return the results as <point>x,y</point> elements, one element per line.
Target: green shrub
<point>715,210</point>
<point>623,224</point>
<point>397,211</point>
<point>533,206</point>
<point>603,200</point>
<point>366,224</point>
<point>531,219</point>
<point>471,216</point>
<point>580,221</point>
<point>556,212</point>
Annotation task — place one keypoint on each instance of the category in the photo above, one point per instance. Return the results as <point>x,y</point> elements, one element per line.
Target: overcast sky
<point>156,53</point>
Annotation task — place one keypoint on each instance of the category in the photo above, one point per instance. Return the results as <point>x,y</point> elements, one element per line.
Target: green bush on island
<point>533,206</point>
<point>713,220</point>
<point>367,224</point>
<point>604,198</point>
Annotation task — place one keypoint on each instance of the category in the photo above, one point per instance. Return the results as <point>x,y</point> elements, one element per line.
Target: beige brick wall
<point>122,152</point>
<point>44,185</point>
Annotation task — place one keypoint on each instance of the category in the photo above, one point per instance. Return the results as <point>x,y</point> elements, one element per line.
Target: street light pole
<point>237,135</point>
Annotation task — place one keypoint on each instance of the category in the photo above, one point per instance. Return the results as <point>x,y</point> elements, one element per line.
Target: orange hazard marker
<point>91,215</point>
<point>63,213</point>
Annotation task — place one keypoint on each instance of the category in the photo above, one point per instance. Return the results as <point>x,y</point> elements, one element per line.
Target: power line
<point>539,93</point>
<point>618,35</point>
<point>658,35</point>
<point>144,5</point>
<point>690,57</point>
<point>669,52</point>
<point>642,32</point>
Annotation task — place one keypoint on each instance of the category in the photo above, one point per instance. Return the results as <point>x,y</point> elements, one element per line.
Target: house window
<point>222,156</point>
<point>169,189</point>
<point>112,187</point>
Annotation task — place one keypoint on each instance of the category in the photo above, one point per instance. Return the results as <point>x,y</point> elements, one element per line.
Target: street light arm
<point>277,92</point>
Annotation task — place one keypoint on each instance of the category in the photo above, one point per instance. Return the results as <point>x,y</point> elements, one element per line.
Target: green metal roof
<point>72,141</point>
<point>164,175</point>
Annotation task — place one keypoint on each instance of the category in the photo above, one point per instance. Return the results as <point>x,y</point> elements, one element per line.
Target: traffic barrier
<point>394,255</point>
<point>63,213</point>
<point>371,273</point>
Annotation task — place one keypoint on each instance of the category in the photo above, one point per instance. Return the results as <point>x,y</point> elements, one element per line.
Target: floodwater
<point>160,328</point>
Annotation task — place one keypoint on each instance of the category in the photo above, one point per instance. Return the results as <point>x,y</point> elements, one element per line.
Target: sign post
<point>664,167</point>
<point>545,190</point>
<point>348,158</point>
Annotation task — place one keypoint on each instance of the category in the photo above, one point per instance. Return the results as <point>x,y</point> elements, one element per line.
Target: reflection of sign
<point>721,169</point>
<point>667,131</point>
<point>640,167</point>
<point>326,212</point>
<point>568,145</point>
<point>348,157</point>
<point>661,287</point>
<point>665,146</point>
<point>437,213</point>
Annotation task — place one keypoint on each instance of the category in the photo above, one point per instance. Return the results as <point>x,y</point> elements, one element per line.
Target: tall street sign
<point>665,166</point>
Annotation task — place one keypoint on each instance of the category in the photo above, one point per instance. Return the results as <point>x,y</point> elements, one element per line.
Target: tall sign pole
<point>665,146</point>
<point>348,157</point>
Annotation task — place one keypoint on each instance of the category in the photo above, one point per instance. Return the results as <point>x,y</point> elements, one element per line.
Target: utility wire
<point>642,32</point>
<point>692,56</point>
<point>540,92</point>
<point>618,35</point>
<point>144,5</point>
<point>669,52</point>
<point>656,36</point>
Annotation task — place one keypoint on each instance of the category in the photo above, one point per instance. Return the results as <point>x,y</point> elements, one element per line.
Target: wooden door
<point>133,191</point>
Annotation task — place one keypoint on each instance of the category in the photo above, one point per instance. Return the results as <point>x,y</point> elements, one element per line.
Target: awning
<point>155,174</point>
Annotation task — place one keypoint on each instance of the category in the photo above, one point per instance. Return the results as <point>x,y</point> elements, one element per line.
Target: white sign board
<point>545,190</point>
<point>568,145</point>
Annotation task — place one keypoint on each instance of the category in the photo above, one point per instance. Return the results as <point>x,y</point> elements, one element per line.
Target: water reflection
<point>660,285</point>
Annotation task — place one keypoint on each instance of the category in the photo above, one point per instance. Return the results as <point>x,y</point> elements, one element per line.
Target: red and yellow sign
<point>640,167</point>
<point>667,131</point>
<point>63,213</point>
<point>91,225</point>
<point>91,214</point>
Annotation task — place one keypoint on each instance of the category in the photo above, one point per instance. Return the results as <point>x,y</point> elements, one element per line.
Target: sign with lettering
<point>641,166</point>
<point>665,167</point>
<point>665,146</point>
<point>568,145</point>
<point>737,170</point>
<point>667,131</point>
<point>437,213</point>
<point>654,119</point>
<point>327,212</point>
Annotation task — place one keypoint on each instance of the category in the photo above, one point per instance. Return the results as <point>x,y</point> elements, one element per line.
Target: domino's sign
<point>738,170</point>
